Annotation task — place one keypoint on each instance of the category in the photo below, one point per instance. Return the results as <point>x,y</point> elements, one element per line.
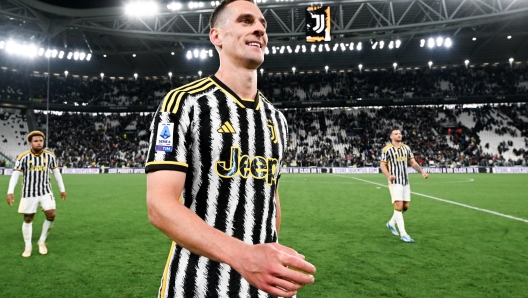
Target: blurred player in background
<point>213,170</point>
<point>36,165</point>
<point>395,156</point>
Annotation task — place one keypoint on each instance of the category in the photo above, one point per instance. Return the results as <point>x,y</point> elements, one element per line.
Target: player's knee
<point>28,218</point>
<point>404,209</point>
<point>50,215</point>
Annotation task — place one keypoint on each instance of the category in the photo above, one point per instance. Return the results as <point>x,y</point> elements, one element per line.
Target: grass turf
<point>102,244</point>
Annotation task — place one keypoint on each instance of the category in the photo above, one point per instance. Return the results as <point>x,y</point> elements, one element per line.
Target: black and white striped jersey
<point>396,160</point>
<point>231,151</point>
<point>36,169</point>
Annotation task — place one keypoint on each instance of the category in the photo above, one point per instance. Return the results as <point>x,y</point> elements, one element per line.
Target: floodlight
<point>474,38</point>
<point>327,47</point>
<point>203,54</point>
<point>394,64</point>
<point>75,55</point>
<point>66,73</point>
<point>289,49</point>
<point>439,41</point>
<point>326,68</point>
<point>88,57</point>
<point>134,55</point>
<point>200,73</point>
<point>48,53</point>
<point>102,75</point>
<point>61,55</point>
<point>82,55</point>
<point>146,8</point>
<point>196,53</point>
<point>509,37</point>
<point>398,43</point>
<point>189,55</point>
<point>391,44</point>
<point>262,71</point>
<point>172,53</point>
<point>511,60</point>
<point>174,6</point>
<point>430,63</point>
<point>422,43</point>
<point>211,52</point>
<point>430,43</point>
<point>170,74</point>
<point>351,47</point>
<point>448,42</point>
<point>293,69</point>
<point>313,48</point>
<point>320,48</point>
<point>41,51</point>
<point>359,46</point>
<point>360,67</point>
<point>303,49</point>
<point>135,76</point>
<point>70,55</point>
<point>381,44</point>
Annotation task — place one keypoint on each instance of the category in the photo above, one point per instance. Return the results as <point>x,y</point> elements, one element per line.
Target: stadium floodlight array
<point>201,54</point>
<point>32,51</point>
<point>436,42</point>
<point>326,47</point>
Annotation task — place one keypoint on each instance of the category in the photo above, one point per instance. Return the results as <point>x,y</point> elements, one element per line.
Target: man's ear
<point>215,38</point>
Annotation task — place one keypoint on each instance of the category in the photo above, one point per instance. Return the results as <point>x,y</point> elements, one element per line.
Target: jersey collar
<point>254,105</point>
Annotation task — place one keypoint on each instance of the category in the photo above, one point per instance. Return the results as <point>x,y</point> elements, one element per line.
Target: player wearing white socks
<point>35,165</point>
<point>394,158</point>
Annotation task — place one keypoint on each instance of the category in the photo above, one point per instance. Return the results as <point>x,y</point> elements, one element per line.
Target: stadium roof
<point>160,42</point>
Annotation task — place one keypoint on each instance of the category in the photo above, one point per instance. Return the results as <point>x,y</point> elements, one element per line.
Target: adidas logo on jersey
<point>226,128</point>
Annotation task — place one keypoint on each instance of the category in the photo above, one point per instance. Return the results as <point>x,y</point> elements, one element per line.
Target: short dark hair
<point>220,8</point>
<point>393,130</point>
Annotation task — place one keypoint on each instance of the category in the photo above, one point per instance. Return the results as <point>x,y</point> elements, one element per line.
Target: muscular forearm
<point>417,167</point>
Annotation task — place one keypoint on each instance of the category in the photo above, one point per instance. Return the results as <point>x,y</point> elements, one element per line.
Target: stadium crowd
<point>104,140</point>
<point>382,83</point>
<point>326,137</point>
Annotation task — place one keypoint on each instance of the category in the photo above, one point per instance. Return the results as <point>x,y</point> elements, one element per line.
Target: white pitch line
<point>447,201</point>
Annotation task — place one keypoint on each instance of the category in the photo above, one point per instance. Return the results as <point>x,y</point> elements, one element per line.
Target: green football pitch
<point>471,233</point>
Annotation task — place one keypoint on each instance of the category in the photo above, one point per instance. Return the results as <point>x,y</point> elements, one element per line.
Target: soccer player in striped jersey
<point>394,159</point>
<point>36,165</point>
<point>216,149</point>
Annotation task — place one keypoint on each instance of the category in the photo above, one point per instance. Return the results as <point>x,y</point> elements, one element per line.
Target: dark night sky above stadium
<point>84,4</point>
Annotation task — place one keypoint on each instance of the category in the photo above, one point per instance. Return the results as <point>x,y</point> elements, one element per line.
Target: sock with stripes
<point>46,227</point>
<point>27,232</point>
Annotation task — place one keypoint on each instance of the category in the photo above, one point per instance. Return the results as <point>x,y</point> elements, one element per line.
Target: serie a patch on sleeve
<point>165,138</point>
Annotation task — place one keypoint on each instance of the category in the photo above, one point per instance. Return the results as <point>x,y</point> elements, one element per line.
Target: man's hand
<point>275,269</point>
<point>63,195</point>
<point>425,175</point>
<point>10,199</point>
<point>392,178</point>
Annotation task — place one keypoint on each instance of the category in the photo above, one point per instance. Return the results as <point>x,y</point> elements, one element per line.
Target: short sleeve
<point>170,134</point>
<point>410,155</point>
<point>53,162</point>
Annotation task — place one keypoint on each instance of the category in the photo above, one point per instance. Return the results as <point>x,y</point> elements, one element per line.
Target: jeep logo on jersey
<point>240,164</point>
<point>164,141</point>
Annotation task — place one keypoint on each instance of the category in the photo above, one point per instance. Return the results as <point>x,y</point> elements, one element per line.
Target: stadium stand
<point>440,136</point>
<point>382,83</point>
